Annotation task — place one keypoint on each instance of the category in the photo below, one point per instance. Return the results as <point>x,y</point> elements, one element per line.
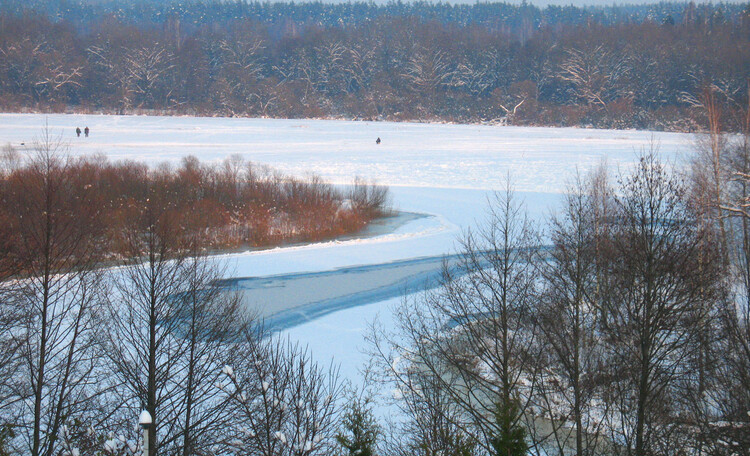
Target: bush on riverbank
<point>228,205</point>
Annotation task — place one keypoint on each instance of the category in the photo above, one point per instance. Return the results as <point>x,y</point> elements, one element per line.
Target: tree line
<point>523,18</point>
<point>627,67</point>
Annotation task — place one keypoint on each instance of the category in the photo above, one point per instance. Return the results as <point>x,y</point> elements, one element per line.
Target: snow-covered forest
<point>615,67</point>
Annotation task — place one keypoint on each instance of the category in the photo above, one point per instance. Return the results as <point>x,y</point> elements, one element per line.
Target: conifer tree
<point>510,437</point>
<point>360,429</point>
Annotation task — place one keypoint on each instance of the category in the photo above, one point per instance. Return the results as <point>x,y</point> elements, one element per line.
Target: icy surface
<point>424,155</point>
<point>444,171</point>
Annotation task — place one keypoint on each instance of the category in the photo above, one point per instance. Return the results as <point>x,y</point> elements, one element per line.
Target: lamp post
<point>146,422</point>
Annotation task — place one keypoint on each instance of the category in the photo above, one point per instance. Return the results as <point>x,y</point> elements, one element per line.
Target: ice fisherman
<point>377,141</point>
<point>86,131</point>
<point>78,131</point>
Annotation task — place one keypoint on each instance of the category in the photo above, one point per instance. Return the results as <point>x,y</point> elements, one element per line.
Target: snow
<point>111,446</point>
<point>145,418</point>
<point>442,170</point>
<point>411,154</point>
<point>280,436</point>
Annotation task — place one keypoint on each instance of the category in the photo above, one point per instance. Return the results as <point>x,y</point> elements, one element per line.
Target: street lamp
<point>145,421</point>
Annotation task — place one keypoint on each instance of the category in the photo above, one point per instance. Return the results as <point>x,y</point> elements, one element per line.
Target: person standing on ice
<point>377,141</point>
<point>86,131</point>
<point>78,131</point>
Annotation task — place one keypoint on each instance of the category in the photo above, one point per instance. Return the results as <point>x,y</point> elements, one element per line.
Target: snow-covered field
<point>441,170</point>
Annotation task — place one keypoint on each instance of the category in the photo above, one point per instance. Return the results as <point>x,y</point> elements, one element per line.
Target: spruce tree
<point>510,437</point>
<point>359,429</point>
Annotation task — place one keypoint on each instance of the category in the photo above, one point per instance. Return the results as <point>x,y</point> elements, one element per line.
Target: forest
<point>615,67</point>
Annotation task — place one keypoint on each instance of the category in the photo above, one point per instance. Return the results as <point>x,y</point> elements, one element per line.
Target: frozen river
<point>332,290</point>
<point>288,300</point>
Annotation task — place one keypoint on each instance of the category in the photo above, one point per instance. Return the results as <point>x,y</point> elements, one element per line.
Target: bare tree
<point>511,113</point>
<point>172,329</point>
<point>141,342</point>
<point>286,403</point>
<point>54,300</point>
<point>243,55</point>
<point>360,67</point>
<point>662,278</point>
<point>737,318</point>
<point>242,64</point>
<point>478,72</point>
<point>594,74</point>
<point>568,319</point>
<point>57,78</point>
<point>147,68</point>
<point>10,347</point>
<point>331,74</point>
<point>105,60</point>
<point>37,69</point>
<point>369,198</point>
<point>433,425</point>
<point>472,339</point>
<point>211,325</point>
<point>720,181</point>
<point>427,70</point>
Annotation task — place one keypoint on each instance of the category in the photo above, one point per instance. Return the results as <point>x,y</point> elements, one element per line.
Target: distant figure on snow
<point>377,141</point>
<point>78,131</point>
<point>86,131</point>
